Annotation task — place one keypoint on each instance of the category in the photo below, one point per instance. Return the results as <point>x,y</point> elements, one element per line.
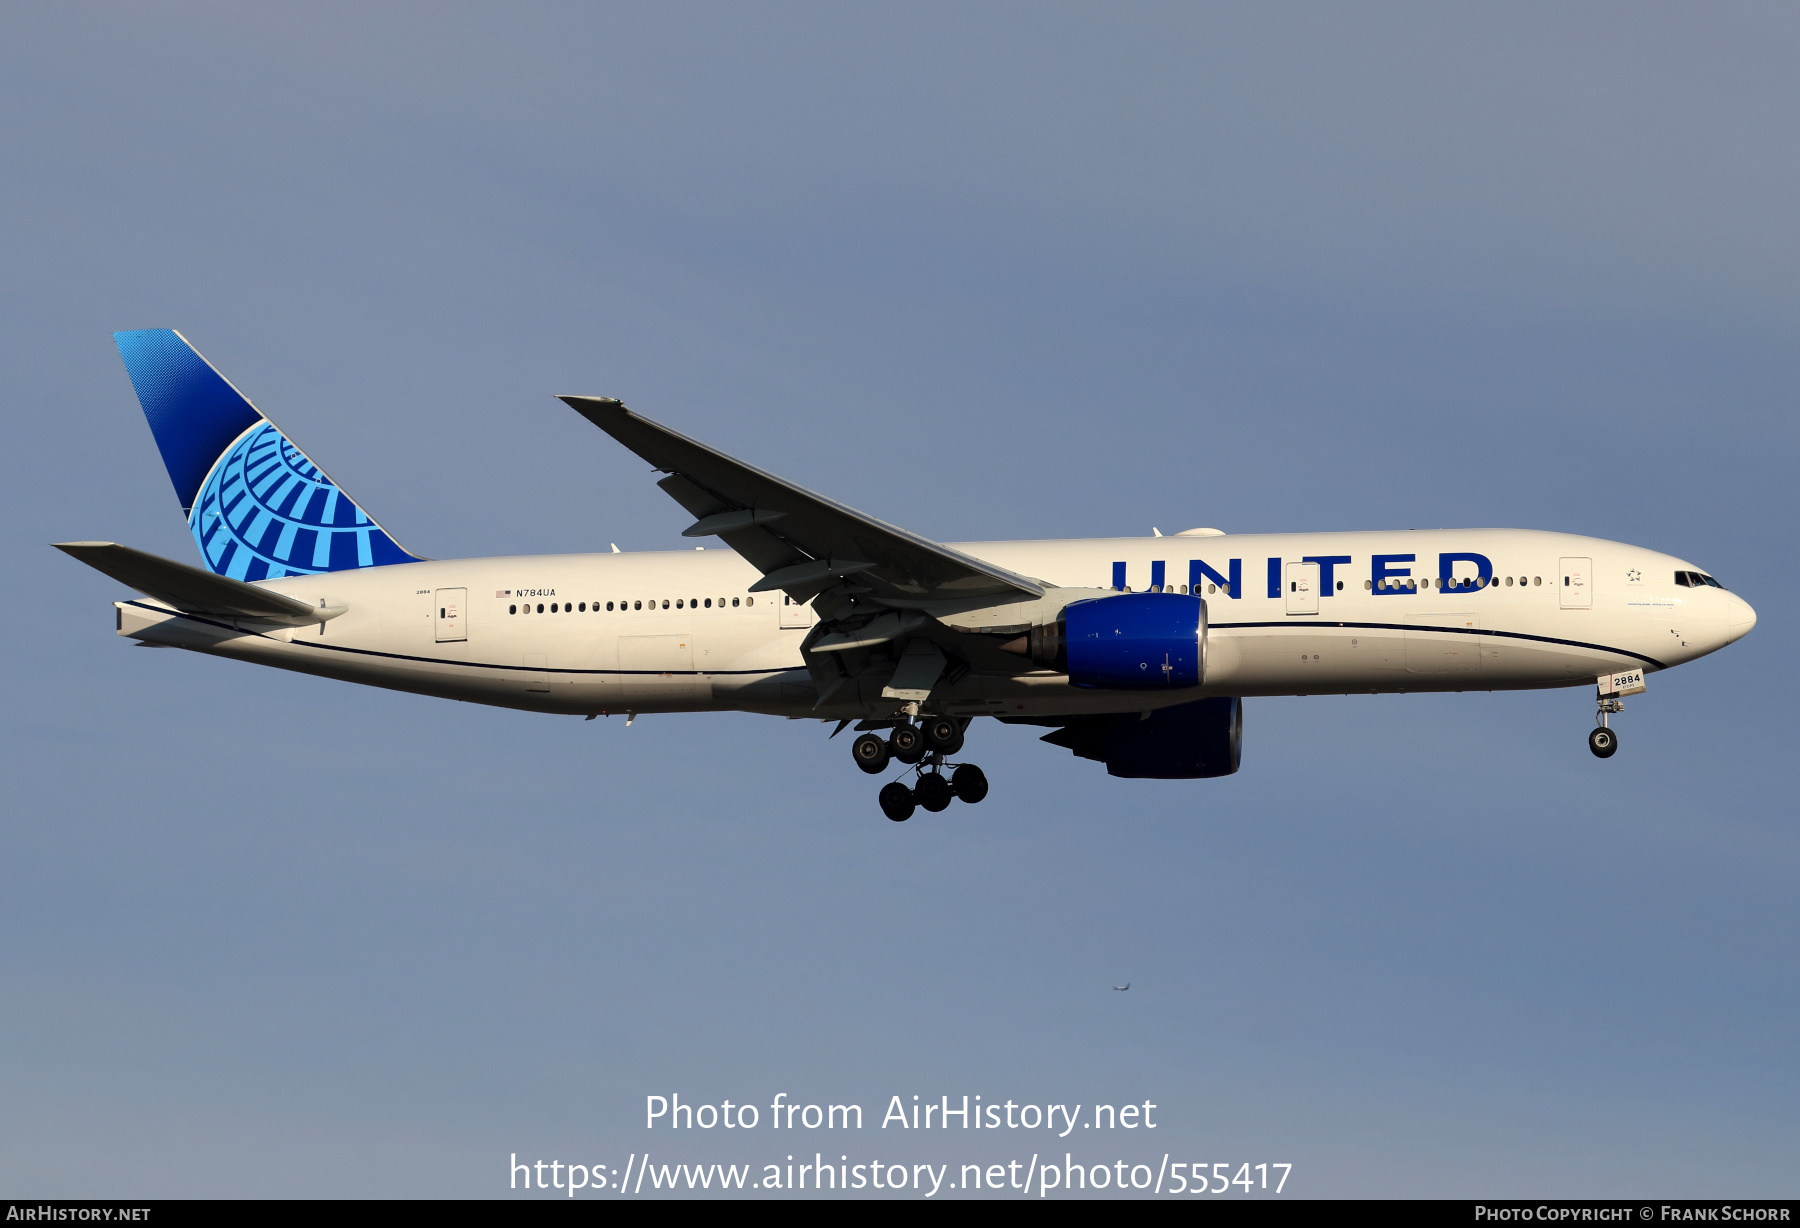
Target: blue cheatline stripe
<point>527,669</point>
<point>400,656</point>
<point>1506,635</point>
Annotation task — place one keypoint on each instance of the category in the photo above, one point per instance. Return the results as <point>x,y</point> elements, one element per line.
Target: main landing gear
<point>922,747</point>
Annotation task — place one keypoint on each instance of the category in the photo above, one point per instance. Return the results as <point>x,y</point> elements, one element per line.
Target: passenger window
<point>637,605</point>
<point>709,603</point>
<point>747,601</point>
<point>734,601</point>
<point>540,607</point>
<point>512,609</point>
<point>609,607</point>
<point>1340,587</point>
<point>665,603</point>
<point>1368,585</point>
<point>1537,579</point>
<point>677,604</point>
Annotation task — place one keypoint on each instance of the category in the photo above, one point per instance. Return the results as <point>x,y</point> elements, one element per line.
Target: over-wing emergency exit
<point>1134,652</point>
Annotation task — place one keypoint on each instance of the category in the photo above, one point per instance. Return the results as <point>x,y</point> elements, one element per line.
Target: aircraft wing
<point>190,588</point>
<point>803,543</point>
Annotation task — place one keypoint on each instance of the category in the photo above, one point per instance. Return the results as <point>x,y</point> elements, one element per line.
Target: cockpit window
<point>1710,582</point>
<point>1696,579</point>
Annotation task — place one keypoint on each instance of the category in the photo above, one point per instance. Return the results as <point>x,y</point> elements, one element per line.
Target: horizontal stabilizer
<point>191,589</point>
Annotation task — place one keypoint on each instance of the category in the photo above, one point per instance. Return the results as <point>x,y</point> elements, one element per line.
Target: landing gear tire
<point>942,734</point>
<point>896,801</point>
<point>870,753</point>
<point>969,783</point>
<point>907,744</point>
<point>933,792</point>
<point>1603,742</point>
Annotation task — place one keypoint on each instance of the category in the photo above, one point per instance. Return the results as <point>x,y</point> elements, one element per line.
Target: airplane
<point>1137,653</point>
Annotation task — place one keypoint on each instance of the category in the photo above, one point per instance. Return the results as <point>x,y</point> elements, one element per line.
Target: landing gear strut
<point>1602,740</point>
<point>923,748</point>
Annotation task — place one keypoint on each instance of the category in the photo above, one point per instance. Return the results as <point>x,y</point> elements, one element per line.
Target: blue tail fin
<point>257,505</point>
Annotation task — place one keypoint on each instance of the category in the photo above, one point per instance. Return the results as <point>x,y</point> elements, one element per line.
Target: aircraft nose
<point>1740,618</point>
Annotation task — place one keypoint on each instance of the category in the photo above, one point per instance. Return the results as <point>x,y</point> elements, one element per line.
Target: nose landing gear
<point>1602,739</point>
<point>924,749</point>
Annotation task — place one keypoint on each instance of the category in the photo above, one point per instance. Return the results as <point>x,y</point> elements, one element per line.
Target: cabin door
<point>451,604</point>
<point>1576,590</point>
<point>795,613</point>
<point>1302,588</point>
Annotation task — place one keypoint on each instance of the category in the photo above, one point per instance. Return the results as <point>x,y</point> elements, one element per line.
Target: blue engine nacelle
<point>1185,742</point>
<point>1131,642</point>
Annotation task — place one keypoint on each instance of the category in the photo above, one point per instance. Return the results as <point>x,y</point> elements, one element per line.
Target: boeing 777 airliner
<point>1136,652</point>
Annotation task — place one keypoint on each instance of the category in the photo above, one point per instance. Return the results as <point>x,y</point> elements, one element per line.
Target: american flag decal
<point>507,592</point>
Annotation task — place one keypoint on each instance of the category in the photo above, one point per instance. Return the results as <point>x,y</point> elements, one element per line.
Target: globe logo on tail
<point>266,511</point>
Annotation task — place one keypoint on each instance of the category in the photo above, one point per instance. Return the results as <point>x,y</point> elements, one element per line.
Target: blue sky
<point>995,272</point>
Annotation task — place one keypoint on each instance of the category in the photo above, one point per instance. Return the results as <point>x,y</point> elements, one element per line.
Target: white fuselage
<point>684,633</point>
